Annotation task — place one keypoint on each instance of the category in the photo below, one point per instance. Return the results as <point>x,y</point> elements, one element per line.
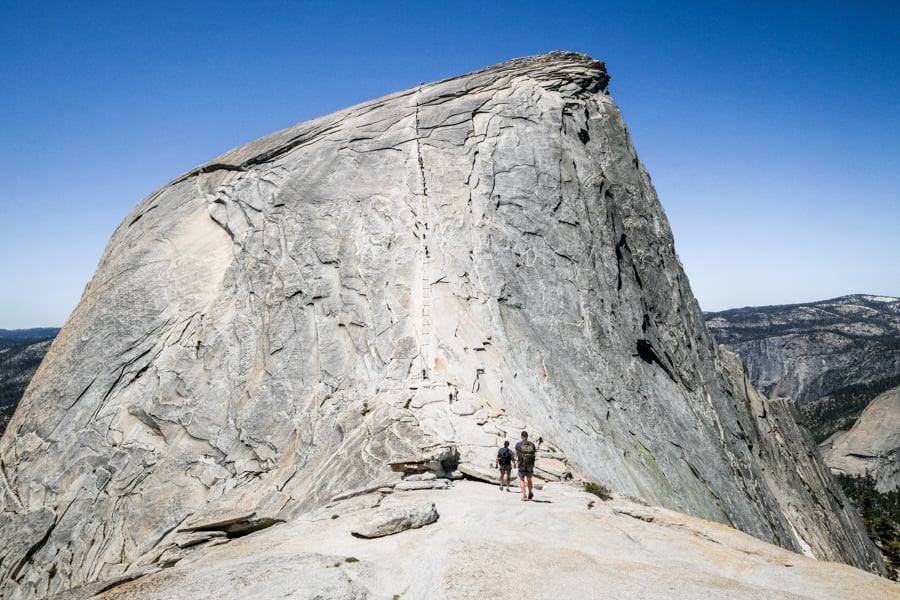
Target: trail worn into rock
<point>488,544</point>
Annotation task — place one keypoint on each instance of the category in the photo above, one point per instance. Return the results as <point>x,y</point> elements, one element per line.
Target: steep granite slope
<point>400,285</point>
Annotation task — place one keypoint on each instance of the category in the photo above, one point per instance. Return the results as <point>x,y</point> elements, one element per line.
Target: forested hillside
<point>19,337</point>
<point>18,362</point>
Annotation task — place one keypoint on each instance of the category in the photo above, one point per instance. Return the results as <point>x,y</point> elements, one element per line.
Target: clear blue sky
<point>771,129</point>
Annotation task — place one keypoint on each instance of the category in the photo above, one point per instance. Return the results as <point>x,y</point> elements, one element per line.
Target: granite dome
<point>395,287</point>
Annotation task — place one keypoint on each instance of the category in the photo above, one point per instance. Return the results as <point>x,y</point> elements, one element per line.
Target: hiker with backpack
<point>504,462</point>
<point>525,452</point>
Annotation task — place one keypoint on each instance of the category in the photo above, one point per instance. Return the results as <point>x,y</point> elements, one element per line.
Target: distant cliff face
<point>872,446</point>
<point>831,357</point>
<point>403,284</point>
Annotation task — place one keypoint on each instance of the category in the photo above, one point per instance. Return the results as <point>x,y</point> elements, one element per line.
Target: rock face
<point>389,290</point>
<point>873,444</point>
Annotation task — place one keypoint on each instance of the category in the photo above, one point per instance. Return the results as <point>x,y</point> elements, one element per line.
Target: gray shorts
<point>505,470</point>
<point>525,471</point>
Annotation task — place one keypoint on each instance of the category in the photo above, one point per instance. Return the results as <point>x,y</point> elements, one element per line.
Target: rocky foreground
<point>485,543</point>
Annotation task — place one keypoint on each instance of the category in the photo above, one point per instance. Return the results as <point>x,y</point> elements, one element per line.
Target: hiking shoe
<point>524,499</point>
<point>530,495</point>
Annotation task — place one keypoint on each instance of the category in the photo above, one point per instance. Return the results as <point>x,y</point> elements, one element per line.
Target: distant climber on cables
<point>525,452</point>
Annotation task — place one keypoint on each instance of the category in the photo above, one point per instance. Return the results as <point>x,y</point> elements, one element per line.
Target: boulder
<point>396,518</point>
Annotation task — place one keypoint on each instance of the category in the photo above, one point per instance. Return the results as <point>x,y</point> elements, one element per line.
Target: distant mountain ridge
<point>843,314</point>
<point>830,357</point>
<point>16,337</point>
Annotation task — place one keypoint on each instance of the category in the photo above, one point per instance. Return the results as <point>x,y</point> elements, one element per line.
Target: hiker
<point>525,451</point>
<point>504,462</point>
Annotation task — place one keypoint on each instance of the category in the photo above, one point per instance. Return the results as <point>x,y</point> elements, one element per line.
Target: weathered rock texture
<point>401,284</point>
<point>872,446</point>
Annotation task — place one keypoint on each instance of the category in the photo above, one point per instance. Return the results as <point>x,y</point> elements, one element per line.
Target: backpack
<point>526,454</point>
<point>504,457</point>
